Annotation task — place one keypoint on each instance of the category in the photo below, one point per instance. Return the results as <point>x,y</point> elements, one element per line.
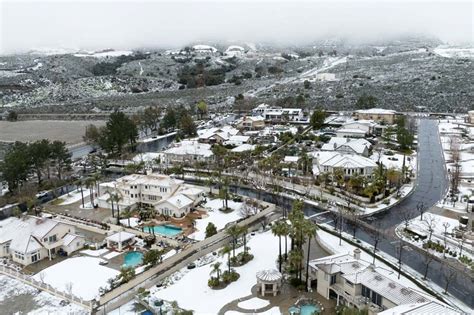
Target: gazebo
<point>269,281</point>
<point>120,240</point>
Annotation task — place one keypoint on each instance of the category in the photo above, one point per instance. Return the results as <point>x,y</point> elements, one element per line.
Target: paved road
<point>431,187</point>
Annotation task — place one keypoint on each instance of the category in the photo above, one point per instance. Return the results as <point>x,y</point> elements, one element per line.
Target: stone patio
<point>287,298</point>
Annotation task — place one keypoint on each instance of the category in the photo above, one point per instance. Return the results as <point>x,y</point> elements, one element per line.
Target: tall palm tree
<point>309,230</point>
<point>90,184</point>
<point>111,200</point>
<point>278,230</point>
<point>226,250</point>
<point>286,232</point>
<point>80,183</point>
<point>216,269</point>
<point>234,232</point>
<point>243,232</point>
<point>97,177</point>
<point>117,197</point>
<point>127,214</point>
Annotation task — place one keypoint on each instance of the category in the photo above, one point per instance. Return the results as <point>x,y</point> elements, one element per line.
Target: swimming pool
<point>306,309</point>
<point>132,259</point>
<point>167,230</point>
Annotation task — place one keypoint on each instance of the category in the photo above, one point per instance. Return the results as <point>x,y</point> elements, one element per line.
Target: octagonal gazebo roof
<point>269,275</point>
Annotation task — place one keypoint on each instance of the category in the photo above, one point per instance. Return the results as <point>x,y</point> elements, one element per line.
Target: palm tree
<point>295,258</point>
<point>338,175</point>
<point>80,183</point>
<point>111,200</point>
<point>127,214</point>
<point>216,269</point>
<point>286,232</point>
<point>278,230</point>
<point>226,250</point>
<point>233,232</point>
<point>309,230</point>
<point>244,231</point>
<point>97,177</point>
<point>117,197</point>
<point>90,184</point>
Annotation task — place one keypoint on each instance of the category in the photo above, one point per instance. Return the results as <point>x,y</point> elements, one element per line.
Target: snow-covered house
<point>237,140</point>
<point>379,115</point>
<point>350,133</point>
<point>251,123</point>
<point>30,239</point>
<point>367,126</point>
<point>188,151</point>
<point>154,190</point>
<point>177,206</point>
<point>278,114</point>
<point>355,282</point>
<point>351,164</point>
<point>234,50</point>
<point>217,135</point>
<point>204,49</point>
<point>348,145</point>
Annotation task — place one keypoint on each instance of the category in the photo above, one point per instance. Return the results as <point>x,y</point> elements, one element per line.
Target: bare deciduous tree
<point>430,221</point>
<point>449,275</point>
<point>427,259</point>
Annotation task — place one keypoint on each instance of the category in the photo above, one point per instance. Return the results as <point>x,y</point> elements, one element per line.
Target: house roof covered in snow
<point>243,147</point>
<point>376,111</point>
<point>25,234</point>
<point>190,147</point>
<point>179,201</point>
<point>431,307</point>
<point>336,159</point>
<point>121,236</point>
<point>150,179</point>
<point>269,275</point>
<point>357,145</point>
<point>69,238</point>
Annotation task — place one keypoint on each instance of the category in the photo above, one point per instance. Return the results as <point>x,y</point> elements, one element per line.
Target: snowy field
<point>396,161</point>
<point>219,218</point>
<point>27,299</point>
<point>85,274</point>
<point>191,289</point>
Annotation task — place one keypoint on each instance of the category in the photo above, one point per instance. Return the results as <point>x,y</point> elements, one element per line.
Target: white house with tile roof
<point>357,283</point>
<point>351,164</point>
<point>155,190</point>
<point>29,239</point>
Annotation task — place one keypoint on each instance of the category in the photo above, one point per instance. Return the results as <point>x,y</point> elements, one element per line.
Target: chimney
<point>357,253</point>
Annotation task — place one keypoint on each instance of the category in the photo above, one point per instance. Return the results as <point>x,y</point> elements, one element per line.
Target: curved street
<point>431,186</point>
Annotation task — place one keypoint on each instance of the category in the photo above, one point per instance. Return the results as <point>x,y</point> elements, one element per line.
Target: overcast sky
<point>99,24</point>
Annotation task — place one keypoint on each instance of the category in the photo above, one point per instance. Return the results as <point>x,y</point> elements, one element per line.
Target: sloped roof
<point>336,159</point>
<point>269,275</point>
<point>69,238</point>
<point>376,111</point>
<point>431,307</point>
<point>179,201</point>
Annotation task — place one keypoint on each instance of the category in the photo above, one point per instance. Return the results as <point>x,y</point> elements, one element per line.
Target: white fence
<point>46,287</point>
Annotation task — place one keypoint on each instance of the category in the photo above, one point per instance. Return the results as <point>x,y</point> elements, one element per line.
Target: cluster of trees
<point>300,231</point>
<point>110,67</point>
<point>366,101</point>
<point>317,119</point>
<point>41,157</point>
<point>118,135</point>
<point>201,75</point>
<point>181,119</point>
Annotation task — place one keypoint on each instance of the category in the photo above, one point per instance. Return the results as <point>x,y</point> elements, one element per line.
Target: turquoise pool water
<point>133,259</point>
<point>307,309</point>
<point>167,230</point>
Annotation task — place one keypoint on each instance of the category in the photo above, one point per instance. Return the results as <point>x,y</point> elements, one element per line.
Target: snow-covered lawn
<point>45,303</point>
<point>396,160</point>
<point>217,217</point>
<point>74,196</point>
<point>192,292</point>
<point>253,303</point>
<point>85,274</point>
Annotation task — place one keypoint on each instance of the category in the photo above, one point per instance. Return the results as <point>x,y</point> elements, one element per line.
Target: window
<point>333,279</point>
<point>52,238</point>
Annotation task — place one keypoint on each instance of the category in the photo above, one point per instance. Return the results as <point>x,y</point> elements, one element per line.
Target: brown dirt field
<point>70,131</point>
